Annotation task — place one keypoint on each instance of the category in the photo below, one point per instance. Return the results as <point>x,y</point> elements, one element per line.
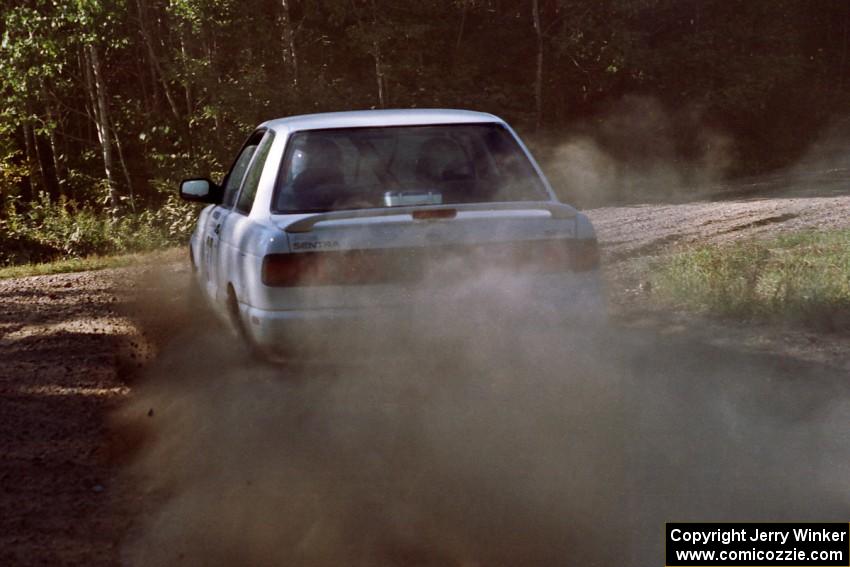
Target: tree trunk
<point>97,93</point>
<point>126,171</point>
<point>140,72</point>
<point>154,82</point>
<point>187,85</point>
<point>157,68</point>
<point>187,90</point>
<point>376,53</point>
<point>33,173</point>
<point>45,165</point>
<point>538,76</point>
<point>83,64</point>
<point>58,156</point>
<point>211,55</point>
<point>462,26</point>
<point>842,72</point>
<point>379,72</point>
<point>290,57</point>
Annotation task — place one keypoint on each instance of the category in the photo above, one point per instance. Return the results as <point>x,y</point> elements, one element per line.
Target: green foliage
<point>47,230</point>
<point>92,263</point>
<point>804,278</point>
<point>69,265</point>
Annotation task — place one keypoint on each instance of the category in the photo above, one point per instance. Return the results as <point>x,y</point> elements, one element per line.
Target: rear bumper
<point>538,303</point>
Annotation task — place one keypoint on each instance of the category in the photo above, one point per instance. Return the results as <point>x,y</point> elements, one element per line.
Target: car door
<point>236,228</point>
<point>218,216</point>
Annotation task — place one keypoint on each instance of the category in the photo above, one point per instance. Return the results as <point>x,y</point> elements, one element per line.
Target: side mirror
<point>200,190</point>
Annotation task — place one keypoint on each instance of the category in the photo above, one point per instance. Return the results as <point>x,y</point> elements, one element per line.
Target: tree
<point>132,95</point>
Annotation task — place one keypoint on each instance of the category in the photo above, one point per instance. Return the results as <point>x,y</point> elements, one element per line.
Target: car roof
<point>378,118</point>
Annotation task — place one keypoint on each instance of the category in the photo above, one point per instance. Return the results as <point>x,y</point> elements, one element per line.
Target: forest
<point>107,104</point>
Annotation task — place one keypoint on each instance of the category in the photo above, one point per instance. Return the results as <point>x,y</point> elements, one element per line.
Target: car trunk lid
<point>353,259</point>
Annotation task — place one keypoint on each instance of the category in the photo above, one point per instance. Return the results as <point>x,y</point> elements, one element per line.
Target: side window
<point>237,171</point>
<point>252,178</point>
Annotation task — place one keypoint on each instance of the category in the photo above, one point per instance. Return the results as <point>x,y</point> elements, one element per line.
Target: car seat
<point>316,163</point>
<point>441,159</point>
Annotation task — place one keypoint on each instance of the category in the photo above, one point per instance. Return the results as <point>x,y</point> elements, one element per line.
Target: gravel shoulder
<point>70,346</point>
<point>631,237</point>
<point>60,502</point>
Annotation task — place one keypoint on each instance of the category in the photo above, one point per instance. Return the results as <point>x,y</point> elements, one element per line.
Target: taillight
<point>559,255</point>
<point>585,255</point>
<point>284,269</point>
<point>350,267</point>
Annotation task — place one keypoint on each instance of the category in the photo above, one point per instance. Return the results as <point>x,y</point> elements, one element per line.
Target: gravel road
<point>644,229</point>
<point>60,502</point>
<point>71,346</point>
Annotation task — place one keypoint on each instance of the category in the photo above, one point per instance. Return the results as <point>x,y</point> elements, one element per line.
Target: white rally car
<point>325,220</point>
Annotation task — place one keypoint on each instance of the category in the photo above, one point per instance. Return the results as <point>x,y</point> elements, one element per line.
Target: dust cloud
<point>830,150</point>
<point>478,432</point>
<point>824,168</point>
<point>638,151</point>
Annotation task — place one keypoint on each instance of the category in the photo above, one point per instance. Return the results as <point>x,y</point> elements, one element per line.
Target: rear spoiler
<point>556,210</point>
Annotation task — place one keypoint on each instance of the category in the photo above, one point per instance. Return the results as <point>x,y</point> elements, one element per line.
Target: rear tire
<point>254,350</point>
<point>194,300</point>
<point>197,307</point>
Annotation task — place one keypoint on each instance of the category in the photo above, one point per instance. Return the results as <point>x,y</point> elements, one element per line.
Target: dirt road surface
<point>60,502</point>
<point>640,230</point>
<point>73,348</point>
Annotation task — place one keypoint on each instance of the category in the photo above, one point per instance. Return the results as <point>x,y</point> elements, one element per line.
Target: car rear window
<point>354,168</point>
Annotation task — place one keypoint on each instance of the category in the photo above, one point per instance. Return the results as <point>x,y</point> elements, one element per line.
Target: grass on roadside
<point>802,278</point>
<point>89,263</point>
